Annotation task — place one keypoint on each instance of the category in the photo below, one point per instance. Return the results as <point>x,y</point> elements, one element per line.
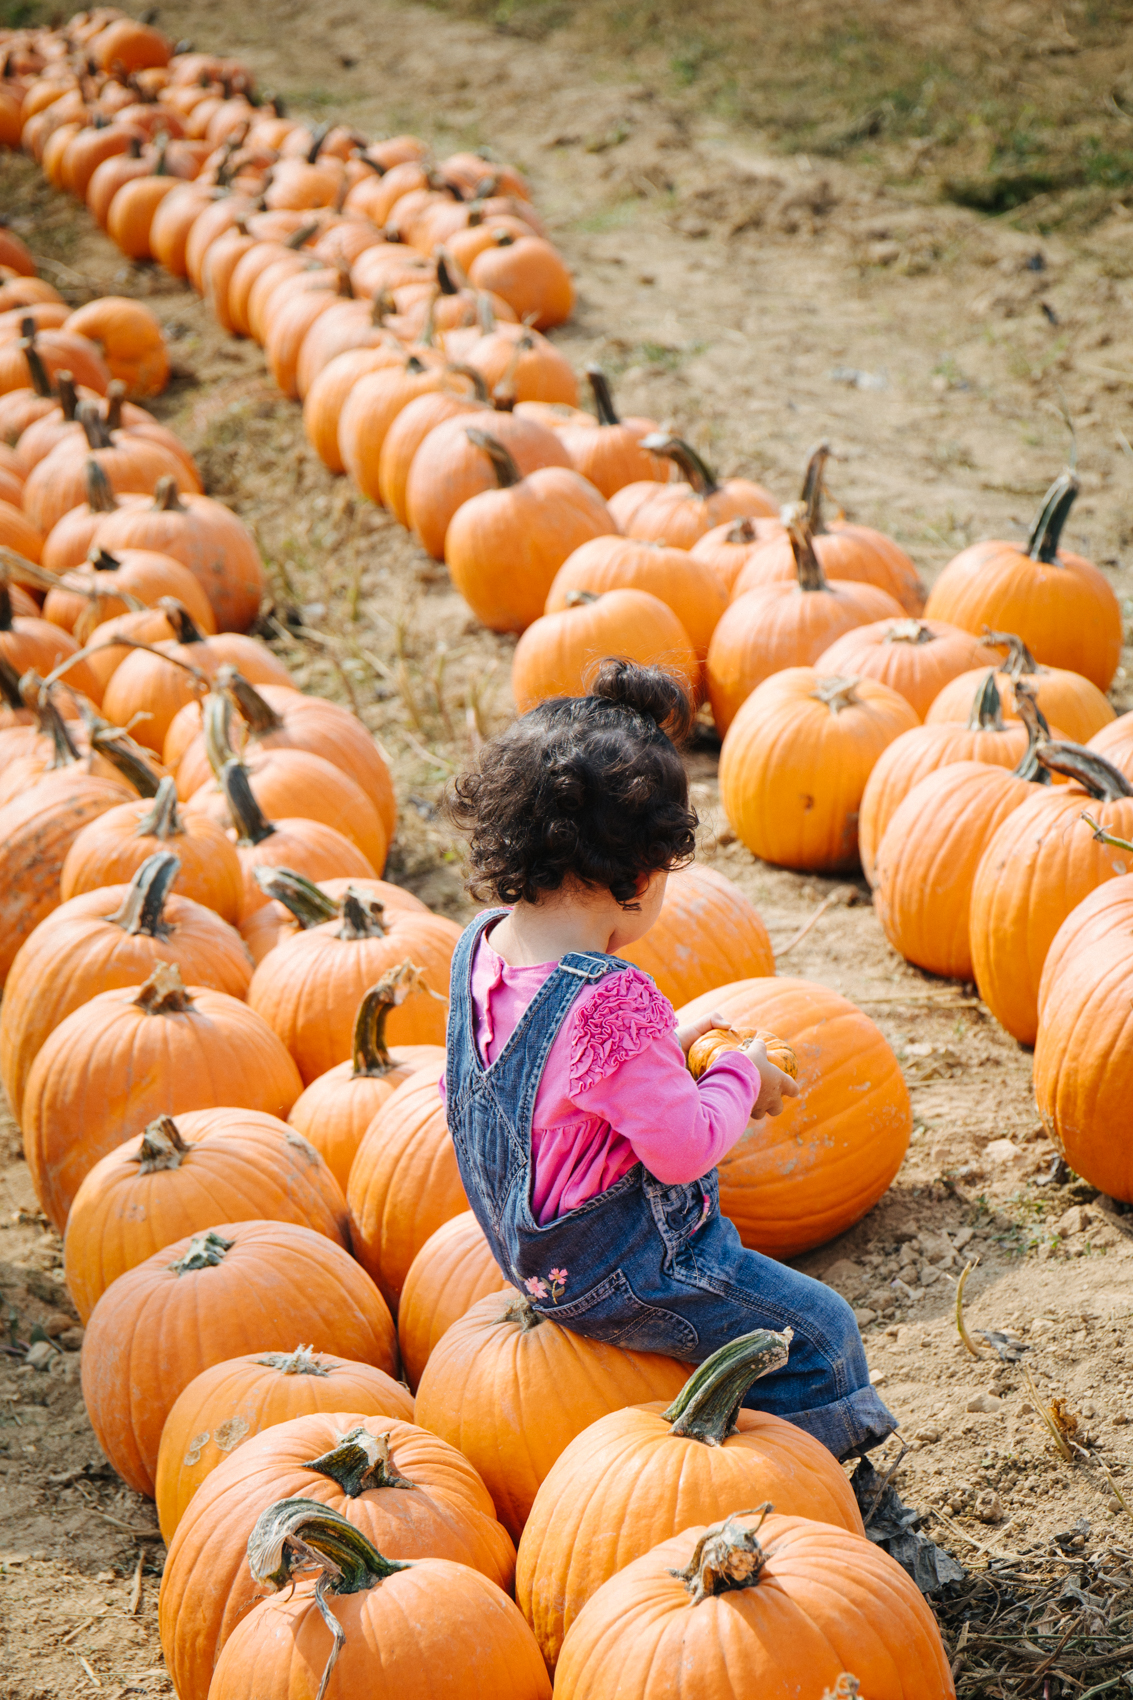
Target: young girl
<point>587,1151</point>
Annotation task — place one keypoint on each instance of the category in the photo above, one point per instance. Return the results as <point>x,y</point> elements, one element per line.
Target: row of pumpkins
<point>216,969</point>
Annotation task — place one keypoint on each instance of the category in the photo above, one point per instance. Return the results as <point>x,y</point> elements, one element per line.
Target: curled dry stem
<point>1047,1416</point>
<point>1102,836</point>
<point>961,1327</point>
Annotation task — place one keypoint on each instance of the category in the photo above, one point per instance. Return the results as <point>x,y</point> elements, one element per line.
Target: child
<point>586,1149</point>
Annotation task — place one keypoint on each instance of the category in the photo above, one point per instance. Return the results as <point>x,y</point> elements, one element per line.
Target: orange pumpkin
<point>409,431</point>
<point>637,1476</point>
<point>503,1359</point>
<point>1061,605</point>
<point>172,225</point>
<point>799,1180</point>
<point>210,1163</point>
<point>69,542</point>
<point>796,760</point>
<point>679,514</point>
<point>779,1610</point>
<point>35,645</point>
<point>450,467</point>
<point>453,1269</point>
<point>328,394</point>
<point>404,1182</point>
<point>785,623</point>
<point>529,274</point>
<point>1115,743</point>
<point>295,903</point>
<point>424,1614</point>
<point>1067,699</point>
<point>337,1108</point>
<point>130,462</point>
<point>707,933</point>
<point>97,591</point>
<point>130,338</point>
<point>692,590</point>
<point>612,456</point>
<point>133,45</point>
<point>58,351</point>
<point>558,654</point>
<point>371,407</point>
<point>918,658</point>
<point>17,532</point>
<point>211,1296</point>
<point>718,1041</point>
<point>234,1401</point>
<point>518,364</point>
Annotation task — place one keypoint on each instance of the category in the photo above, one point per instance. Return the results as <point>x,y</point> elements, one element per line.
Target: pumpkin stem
<point>811,497</point>
<point>1038,732</point>
<point>205,1252</point>
<point>910,631</point>
<point>504,467</point>
<point>163,820</point>
<point>726,1558</point>
<point>216,718</point>
<point>296,1534</point>
<point>361,916</point>
<point>161,1148</point>
<point>741,531</point>
<point>695,470</point>
<point>318,137</point>
<point>115,396</point>
<point>506,392</point>
<point>166,497</point>
<point>10,684</point>
<point>100,492</point>
<point>252,825</point>
<point>37,371</point>
<point>1092,772</point>
<point>141,911</point>
<point>35,695</point>
<point>299,238</point>
<point>164,992</point>
<point>580,598</point>
<point>522,1311</point>
<point>102,561</point>
<point>1102,836</point>
<point>807,565</point>
<point>371,1054</point>
<point>185,628</point>
<point>708,1404</point>
<point>1042,545</point>
<point>360,1463</point>
<point>128,758</point>
<point>1019,658</point>
<point>93,424</point>
<point>837,693</point>
<point>299,895</point>
<point>257,713</point>
<point>302,1361</point>
<point>68,396</point>
<point>603,397</point>
<point>987,709</point>
<point>475,378</point>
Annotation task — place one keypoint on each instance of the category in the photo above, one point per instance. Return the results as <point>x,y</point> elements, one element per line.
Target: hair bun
<point>648,691</point>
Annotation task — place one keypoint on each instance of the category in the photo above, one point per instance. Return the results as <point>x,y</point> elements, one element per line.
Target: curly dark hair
<point>590,787</point>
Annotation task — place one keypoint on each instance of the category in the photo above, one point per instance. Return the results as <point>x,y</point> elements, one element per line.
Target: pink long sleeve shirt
<point>615,1089</point>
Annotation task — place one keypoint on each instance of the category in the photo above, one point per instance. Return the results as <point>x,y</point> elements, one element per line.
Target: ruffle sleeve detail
<point>622,1016</point>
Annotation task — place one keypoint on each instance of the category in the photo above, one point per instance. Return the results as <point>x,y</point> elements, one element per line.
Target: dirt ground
<point>757,302</point>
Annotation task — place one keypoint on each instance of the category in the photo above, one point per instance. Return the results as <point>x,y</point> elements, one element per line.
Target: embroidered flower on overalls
<point>539,1289</point>
<point>623,1015</point>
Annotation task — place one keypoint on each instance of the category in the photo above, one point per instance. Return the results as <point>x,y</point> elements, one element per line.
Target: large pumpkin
<point>502,1362</point>
<point>919,658</point>
<point>450,468</point>
<point>233,1401</point>
<point>97,591</point>
<point>131,341</point>
<point>308,988</point>
<point>1067,699</point>
<point>296,784</point>
<point>1041,862</point>
<point>432,1613</point>
<point>796,759</point>
<point>240,1287</point>
<point>694,592</point>
<point>797,1181</point>
<point>708,933</point>
<point>641,1475</point>
<point>681,513</point>
<point>558,655</point>
<point>784,1609</point>
<point>106,938</point>
<point>1061,605</point>
<point>139,1052</point>
<point>182,1176</point>
<point>453,1269</point>
<point>611,456</point>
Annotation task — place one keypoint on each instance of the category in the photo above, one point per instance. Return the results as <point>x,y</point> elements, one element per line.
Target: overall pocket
<point>613,1312</point>
<point>681,1211</point>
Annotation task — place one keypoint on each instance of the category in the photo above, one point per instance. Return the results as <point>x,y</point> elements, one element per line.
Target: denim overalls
<point>643,1265</point>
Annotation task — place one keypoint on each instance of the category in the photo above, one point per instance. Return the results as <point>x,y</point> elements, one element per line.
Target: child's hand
<point>694,1030</point>
<point>774,1085</point>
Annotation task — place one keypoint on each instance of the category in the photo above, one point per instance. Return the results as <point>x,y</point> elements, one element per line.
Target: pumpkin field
<point>365,378</point>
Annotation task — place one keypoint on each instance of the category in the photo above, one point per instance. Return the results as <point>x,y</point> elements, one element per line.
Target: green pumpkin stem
<point>360,1463</point>
<point>300,1534</point>
<point>987,709</point>
<point>707,1406</point>
<point>100,492</point>
<point>299,895</point>
<point>1104,782</point>
<point>1042,545</point>
<point>252,825</point>
<point>1104,837</point>
<point>166,496</point>
<point>68,396</point>
<point>127,757</point>
<point>695,470</point>
<point>141,910</point>
<point>1038,732</point>
<point>37,371</point>
<point>216,724</point>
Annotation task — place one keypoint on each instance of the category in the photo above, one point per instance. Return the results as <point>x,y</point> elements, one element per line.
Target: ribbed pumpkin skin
<point>36,832</point>
<point>1115,743</point>
<point>926,863</point>
<point>309,987</point>
<point>628,1482</point>
<point>793,767</point>
<point>707,934</point>
<point>558,654</point>
<point>677,515</point>
<point>155,1329</point>
<point>239,1160</point>
<point>513,1398</point>
<point>78,951</point>
<point>1041,862</point>
<point>295,783</point>
<point>204,536</point>
<point>827,1603</point>
<point>453,1269</point>
<point>1083,1078</point>
<point>110,850</point>
<point>891,652</point>
<point>409,431</point>
<point>1067,700</point>
<point>777,625</point>
<point>915,754</point>
<point>404,1183</point>
<point>327,396</point>
<point>854,553</point>
<point>233,1401</point>
<point>814,1171</point>
<point>448,470</point>
<point>695,592</point>
<point>207,1590</point>
<point>1065,612</point>
<point>438,1616</point>
<point>110,1068</point>
<point>335,1110</point>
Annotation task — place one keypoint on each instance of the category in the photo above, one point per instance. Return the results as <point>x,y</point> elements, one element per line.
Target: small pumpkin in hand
<point>704,1051</point>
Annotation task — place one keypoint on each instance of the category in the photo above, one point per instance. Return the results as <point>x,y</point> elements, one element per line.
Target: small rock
<point>846,1278</point>
<point>38,1555</point>
<point>961,1237</point>
<point>1120,1419</point>
<point>1040,1326</point>
<point>988,1507</point>
<point>1087,1410</point>
<point>929,1274</point>
<point>1114,1504</point>
<point>1002,1153</point>
<point>40,1354</point>
<point>936,1247</point>
<point>71,1339</point>
<point>1072,1221</point>
<point>929,1434</point>
<point>877,1378</point>
<point>864,1317</point>
<point>985,1402</point>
